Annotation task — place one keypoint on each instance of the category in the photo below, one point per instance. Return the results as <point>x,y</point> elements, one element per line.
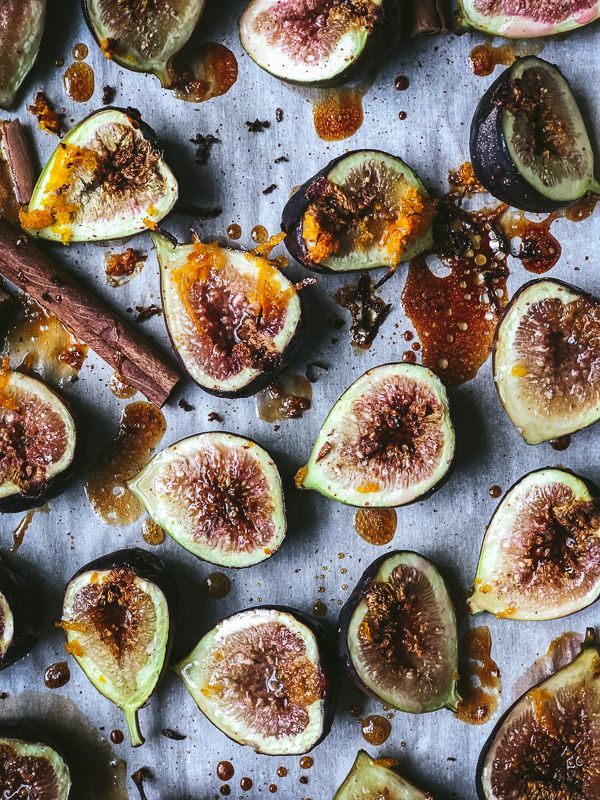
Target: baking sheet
<point>447,528</point>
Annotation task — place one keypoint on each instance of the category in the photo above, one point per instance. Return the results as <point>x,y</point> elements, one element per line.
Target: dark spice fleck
<point>281,160</point>
<point>138,777</point>
<point>146,312</point>
<point>367,308</point>
<point>108,94</point>
<point>204,145</point>
<point>278,114</point>
<point>312,370</point>
<point>258,125</point>
<point>214,416</point>
<point>168,235</point>
<point>270,188</point>
<point>183,403</point>
<point>175,735</point>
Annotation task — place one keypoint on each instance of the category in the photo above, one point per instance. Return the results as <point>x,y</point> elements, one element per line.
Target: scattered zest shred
<point>47,117</point>
<point>368,488</point>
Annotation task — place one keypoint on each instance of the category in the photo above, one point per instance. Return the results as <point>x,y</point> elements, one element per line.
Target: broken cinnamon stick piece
<point>429,17</point>
<point>91,321</point>
<point>17,153</point>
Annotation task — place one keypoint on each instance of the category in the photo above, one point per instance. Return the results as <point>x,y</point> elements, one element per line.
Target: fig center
<point>548,11</point>
<point>26,777</point>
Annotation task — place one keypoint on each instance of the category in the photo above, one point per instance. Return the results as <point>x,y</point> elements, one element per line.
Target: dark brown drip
<point>375,729</point>
<point>79,81</point>
<point>21,529</point>
<point>306,762</point>
<point>141,428</point>
<point>485,58</point>
<point>246,784</point>
<point>209,71</point>
<point>539,250</point>
<point>376,525</point>
<point>117,736</point>
<point>281,772</point>
<point>368,310</point>
<point>401,83</point>
<point>225,790</point>
<point>287,398</point>
<point>168,733</point>
<point>338,113</point>
<point>319,608</point>
<point>57,675</point>
<point>480,685</point>
<point>139,777</point>
<point>216,585</point>
<point>495,491</point>
<point>225,770</point>
<point>561,443</point>
<point>272,788</point>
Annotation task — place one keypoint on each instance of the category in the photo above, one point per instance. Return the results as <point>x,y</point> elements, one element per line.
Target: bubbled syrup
<point>338,113</point>
<point>206,72</point>
<point>480,685</point>
<point>375,729</point>
<point>376,525</point>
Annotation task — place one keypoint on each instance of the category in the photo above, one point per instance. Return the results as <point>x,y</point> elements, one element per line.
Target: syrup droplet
<point>480,685</point>
<point>117,736</point>
<point>216,585</point>
<point>246,784</point>
<point>209,71</point>
<point>319,608</point>
<point>57,675</point>
<point>375,729</point>
<point>152,533</point>
<point>259,234</point>
<point>306,762</point>
<point>234,231</point>
<point>561,443</point>
<point>338,114</point>
<point>376,525</point>
<point>225,770</point>
<point>495,491</point>
<point>401,83</point>
<point>79,81</point>
<point>120,388</point>
<point>80,51</point>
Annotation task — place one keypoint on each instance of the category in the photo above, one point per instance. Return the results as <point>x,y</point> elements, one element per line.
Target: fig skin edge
<point>593,489</point>
<point>32,734</point>
<point>151,568</point>
<point>24,602</point>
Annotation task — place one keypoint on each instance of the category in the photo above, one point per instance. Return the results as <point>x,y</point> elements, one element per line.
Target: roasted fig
<point>38,438</point>
<point>398,637</point>
<point>19,617</point>
<point>524,19</point>
<point>21,28</point>
<point>540,558</point>
<point>373,780</point>
<point>387,441</point>
<point>547,360</point>
<point>234,318</point>
<point>30,767</point>
<point>318,43</point>
<point>265,678</point>
<point>118,620</point>
<point>529,143</point>
<point>364,210</point>
<point>143,36</point>
<point>218,495</point>
<point>107,179</point>
<point>546,745</point>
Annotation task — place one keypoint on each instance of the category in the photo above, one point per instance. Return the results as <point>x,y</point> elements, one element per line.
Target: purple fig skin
<point>16,729</point>
<point>590,641</point>
<point>327,663</point>
<point>23,602</point>
<point>492,164</point>
<point>516,295</point>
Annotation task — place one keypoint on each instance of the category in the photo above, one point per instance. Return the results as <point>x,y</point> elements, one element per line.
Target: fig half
<point>107,179</point>
<point>218,495</point>
<point>397,635</point>
<point>118,620</point>
<point>529,144</point>
<point>318,43</point>
<point>30,767</point>
<point>21,29</point>
<point>371,779</point>
<point>265,678</point>
<point>37,443</point>
<point>19,617</point>
<point>523,19</point>
<point>234,318</point>
<point>140,35</point>
<point>364,210</point>
<point>540,557</point>
<point>547,743</point>
<point>546,360</point>
<point>388,440</point>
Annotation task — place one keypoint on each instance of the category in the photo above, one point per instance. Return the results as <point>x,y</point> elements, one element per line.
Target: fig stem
<point>133,725</point>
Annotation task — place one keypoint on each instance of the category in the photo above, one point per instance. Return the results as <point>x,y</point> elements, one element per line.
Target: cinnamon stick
<point>91,321</point>
<point>17,153</point>
<point>429,17</point>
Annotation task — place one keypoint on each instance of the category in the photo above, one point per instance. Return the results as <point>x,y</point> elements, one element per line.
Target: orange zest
<point>320,243</point>
<point>203,259</point>
<point>368,488</point>
<point>413,218</point>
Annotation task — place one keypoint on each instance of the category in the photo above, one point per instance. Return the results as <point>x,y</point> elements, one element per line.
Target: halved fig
<point>371,779</point>
<point>540,557</point>
<point>19,617</point>
<point>318,43</point>
<point>397,635</point>
<point>234,318</point>
<point>37,443</point>
<point>364,210</point>
<point>265,678</point>
<point>388,440</point>
<point>107,179</point>
<point>218,495</point>
<point>140,35</point>
<point>523,19</point>
<point>30,767</point>
<point>547,743</point>
<point>546,360</point>
<point>118,620</point>
<point>21,28</point>
<point>529,144</point>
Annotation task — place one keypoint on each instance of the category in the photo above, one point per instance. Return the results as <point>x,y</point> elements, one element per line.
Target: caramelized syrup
<point>80,51</point>
<point>117,736</point>
<point>368,310</point>
<point>281,772</point>
<point>259,234</point>
<point>287,398</point>
<point>79,81</point>
<point>208,72</point>
<point>234,231</point>
<point>141,428</point>
<point>57,675</point>
<point>375,729</point>
<point>306,762</point>
<point>480,685</point>
<point>246,784</point>
<point>582,209</point>
<point>120,267</point>
<point>401,83</point>
<point>225,770</point>
<point>138,778</point>
<point>561,443</point>
<point>495,492</point>
<point>120,388</point>
<point>152,533</point>
<point>486,57</point>
<point>539,250</point>
<point>376,525</point>
<point>338,114</point>
<point>216,585</point>
<point>22,527</point>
